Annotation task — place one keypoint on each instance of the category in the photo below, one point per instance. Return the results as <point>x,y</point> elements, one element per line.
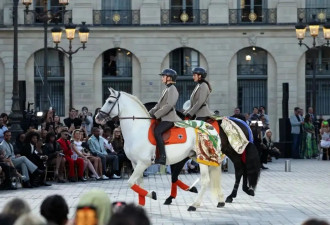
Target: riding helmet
<point>200,71</point>
<point>170,73</point>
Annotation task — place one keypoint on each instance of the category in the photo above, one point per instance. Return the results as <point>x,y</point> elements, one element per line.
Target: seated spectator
<point>20,161</point>
<point>9,172</point>
<point>14,209</point>
<point>4,116</point>
<point>96,145</point>
<point>55,209</point>
<point>70,157</point>
<point>262,112</point>
<point>117,142</point>
<point>33,151</point>
<point>95,203</point>
<point>30,219</point>
<point>268,144</point>
<point>55,156</point>
<point>78,151</point>
<point>238,115</point>
<point>265,125</point>
<point>129,215</point>
<point>3,128</point>
<point>19,144</point>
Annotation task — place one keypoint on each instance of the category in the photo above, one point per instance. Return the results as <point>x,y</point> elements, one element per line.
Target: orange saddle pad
<point>175,135</point>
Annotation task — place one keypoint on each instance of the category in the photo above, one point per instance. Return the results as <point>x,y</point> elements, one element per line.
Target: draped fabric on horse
<point>208,143</point>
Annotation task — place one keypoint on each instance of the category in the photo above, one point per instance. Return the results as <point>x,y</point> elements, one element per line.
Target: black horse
<point>250,169</point>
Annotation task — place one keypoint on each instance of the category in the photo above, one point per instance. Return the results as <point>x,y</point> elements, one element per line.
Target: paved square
<point>281,197</point>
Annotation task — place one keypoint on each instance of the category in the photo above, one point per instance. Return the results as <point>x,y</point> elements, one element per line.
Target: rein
<point>122,118</point>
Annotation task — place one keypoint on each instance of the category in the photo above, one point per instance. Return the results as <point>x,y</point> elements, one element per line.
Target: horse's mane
<point>136,100</point>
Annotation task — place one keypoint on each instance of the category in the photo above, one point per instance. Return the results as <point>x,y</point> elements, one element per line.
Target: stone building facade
<point>155,34</point>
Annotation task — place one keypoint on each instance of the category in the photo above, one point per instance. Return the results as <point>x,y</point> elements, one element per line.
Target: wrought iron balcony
<point>53,71</point>
<point>321,69</point>
<point>180,16</point>
<point>253,69</point>
<point>116,17</point>
<point>59,15</point>
<point>306,14</point>
<point>242,16</point>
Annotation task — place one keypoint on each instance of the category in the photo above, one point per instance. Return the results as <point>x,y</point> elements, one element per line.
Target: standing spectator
<point>19,161</point>
<point>312,115</point>
<point>3,128</point>
<point>265,125</point>
<point>262,112</point>
<point>238,115</point>
<point>254,115</point>
<point>72,122</point>
<point>325,139</point>
<point>88,119</point>
<point>96,145</point>
<point>57,122</point>
<point>296,121</point>
<point>70,158</point>
<point>247,116</point>
<point>97,110</point>
<point>55,156</point>
<point>309,145</point>
<point>55,209</point>
<point>4,116</point>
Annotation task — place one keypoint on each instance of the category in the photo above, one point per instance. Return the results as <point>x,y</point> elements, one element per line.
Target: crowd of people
<point>94,208</point>
<point>96,151</point>
<point>307,133</point>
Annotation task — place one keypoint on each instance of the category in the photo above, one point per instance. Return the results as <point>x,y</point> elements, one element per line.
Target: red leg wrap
<point>182,185</point>
<point>142,193</point>
<point>174,190</point>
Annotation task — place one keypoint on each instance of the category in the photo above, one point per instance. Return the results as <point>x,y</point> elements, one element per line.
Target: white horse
<point>135,122</point>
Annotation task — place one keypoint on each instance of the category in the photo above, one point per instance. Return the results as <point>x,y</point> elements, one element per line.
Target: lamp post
<point>45,17</point>
<point>15,114</point>
<point>314,32</point>
<point>70,30</point>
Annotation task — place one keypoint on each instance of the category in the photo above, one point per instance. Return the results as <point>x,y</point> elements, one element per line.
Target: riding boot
<point>162,157</point>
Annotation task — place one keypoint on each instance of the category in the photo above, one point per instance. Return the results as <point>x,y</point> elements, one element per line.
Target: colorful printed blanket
<point>208,143</point>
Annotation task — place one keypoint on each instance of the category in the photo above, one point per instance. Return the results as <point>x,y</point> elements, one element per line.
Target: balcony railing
<point>321,69</point>
<point>116,17</point>
<point>34,17</point>
<point>180,16</point>
<point>254,69</point>
<point>306,14</point>
<point>53,71</point>
<point>241,16</point>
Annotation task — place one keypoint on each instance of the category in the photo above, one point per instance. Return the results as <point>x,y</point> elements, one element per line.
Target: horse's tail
<point>252,165</point>
<point>215,176</point>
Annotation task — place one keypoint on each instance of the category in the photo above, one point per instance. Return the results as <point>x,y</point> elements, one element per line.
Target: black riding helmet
<point>170,73</point>
<point>200,71</point>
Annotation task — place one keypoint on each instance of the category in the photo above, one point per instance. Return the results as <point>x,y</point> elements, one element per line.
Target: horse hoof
<point>229,200</point>
<point>168,201</point>
<point>192,208</point>
<point>221,204</point>
<point>154,195</point>
<point>251,192</point>
<point>193,189</point>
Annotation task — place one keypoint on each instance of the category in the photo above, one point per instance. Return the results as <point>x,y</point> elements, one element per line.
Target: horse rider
<point>164,110</point>
<point>198,107</point>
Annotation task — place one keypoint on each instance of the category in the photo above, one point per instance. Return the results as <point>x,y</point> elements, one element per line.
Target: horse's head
<point>110,109</point>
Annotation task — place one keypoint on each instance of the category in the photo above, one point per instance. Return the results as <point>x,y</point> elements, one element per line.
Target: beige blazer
<point>198,98</point>
<point>165,107</point>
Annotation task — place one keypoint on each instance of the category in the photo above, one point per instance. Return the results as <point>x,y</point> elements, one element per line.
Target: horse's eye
<point>109,102</point>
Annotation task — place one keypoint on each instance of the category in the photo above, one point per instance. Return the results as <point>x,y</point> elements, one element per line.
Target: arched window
<point>55,79</point>
<point>183,60</point>
<point>251,78</point>
<point>117,71</point>
<point>322,80</point>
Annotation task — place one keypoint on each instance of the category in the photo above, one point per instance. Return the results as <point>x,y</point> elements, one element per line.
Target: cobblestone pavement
<point>281,198</point>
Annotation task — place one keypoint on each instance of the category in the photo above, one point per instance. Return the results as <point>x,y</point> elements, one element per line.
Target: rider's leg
<point>159,130</point>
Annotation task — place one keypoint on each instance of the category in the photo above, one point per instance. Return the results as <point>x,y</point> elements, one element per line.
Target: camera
<point>31,118</point>
<point>256,123</point>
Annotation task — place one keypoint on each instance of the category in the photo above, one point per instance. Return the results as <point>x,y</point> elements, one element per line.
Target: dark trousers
<point>159,130</point>
<point>9,171</point>
<point>295,146</point>
<point>110,159</point>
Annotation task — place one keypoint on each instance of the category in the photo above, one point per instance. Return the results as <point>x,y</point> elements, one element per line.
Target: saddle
<point>175,135</point>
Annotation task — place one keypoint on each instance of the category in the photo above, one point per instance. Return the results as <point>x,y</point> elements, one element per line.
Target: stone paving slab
<point>281,198</point>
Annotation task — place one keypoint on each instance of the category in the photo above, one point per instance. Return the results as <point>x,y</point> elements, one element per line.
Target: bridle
<point>107,115</point>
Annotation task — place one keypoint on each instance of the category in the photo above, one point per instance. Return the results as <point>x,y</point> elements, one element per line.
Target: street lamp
<point>314,32</point>
<point>45,17</point>
<point>70,30</point>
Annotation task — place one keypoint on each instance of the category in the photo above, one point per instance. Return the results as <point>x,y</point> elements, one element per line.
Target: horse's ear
<point>111,90</point>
